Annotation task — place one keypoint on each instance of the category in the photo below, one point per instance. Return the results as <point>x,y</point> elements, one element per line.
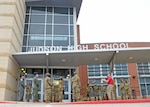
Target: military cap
<point>35,73</point>
<point>48,74</point>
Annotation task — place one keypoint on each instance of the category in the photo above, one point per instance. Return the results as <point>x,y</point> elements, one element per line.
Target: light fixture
<point>96,59</point>
<point>63,60</point>
<point>130,58</point>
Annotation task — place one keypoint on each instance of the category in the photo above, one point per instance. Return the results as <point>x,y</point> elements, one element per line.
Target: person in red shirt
<point>110,87</point>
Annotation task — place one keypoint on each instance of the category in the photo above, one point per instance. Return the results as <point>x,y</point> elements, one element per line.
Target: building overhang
<point>56,3</point>
<point>83,57</point>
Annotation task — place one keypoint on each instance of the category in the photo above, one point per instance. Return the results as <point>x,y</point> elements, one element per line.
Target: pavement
<point>104,103</point>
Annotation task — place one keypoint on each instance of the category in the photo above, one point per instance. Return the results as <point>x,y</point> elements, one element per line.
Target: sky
<point>114,21</point>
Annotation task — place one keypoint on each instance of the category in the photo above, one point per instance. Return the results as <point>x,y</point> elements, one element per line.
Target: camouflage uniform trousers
<point>127,94</point>
<point>61,95</point>
<point>96,94</point>
<point>48,95</point>
<point>35,95</point>
<point>76,93</point>
<point>88,96</point>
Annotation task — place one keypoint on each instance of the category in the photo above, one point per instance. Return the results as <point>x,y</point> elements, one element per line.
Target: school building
<point>42,36</point>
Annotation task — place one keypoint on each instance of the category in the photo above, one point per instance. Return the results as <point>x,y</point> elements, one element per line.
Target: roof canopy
<point>83,57</point>
<point>56,3</point>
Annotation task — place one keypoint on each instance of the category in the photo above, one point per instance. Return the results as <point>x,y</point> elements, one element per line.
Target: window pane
<point>26,29</point>
<point>27,19</point>
<point>72,41</point>
<point>48,40</point>
<point>61,19</point>
<point>49,10</point>
<point>24,40</point>
<point>148,89</point>
<point>58,10</point>
<point>71,19</point>
<point>61,30</point>
<point>36,40</point>
<point>27,9</point>
<point>61,41</point>
<point>37,19</point>
<point>36,29</point>
<point>71,30</point>
<point>49,29</point>
<point>71,11</point>
<point>38,10</point>
<point>49,18</point>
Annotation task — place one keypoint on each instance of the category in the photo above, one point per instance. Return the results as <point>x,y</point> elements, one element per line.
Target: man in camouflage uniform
<point>127,90</point>
<point>88,92</point>
<point>61,87</point>
<point>96,89</point>
<point>103,92</point>
<point>35,87</point>
<point>28,92</point>
<point>76,87</point>
<point>122,89</point>
<point>56,90</point>
<point>47,88</point>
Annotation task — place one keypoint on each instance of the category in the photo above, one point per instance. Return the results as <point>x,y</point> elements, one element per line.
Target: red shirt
<point>110,80</point>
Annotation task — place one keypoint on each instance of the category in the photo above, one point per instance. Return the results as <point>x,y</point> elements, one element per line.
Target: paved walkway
<point>110,103</point>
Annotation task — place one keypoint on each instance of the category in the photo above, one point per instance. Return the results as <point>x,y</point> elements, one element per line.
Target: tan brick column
<point>12,14</point>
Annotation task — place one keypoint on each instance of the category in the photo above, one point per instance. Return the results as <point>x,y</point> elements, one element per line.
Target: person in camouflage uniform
<point>35,87</point>
<point>76,87</point>
<point>88,92</point>
<point>61,87</point>
<point>56,90</point>
<point>103,92</point>
<point>28,92</point>
<point>127,90</point>
<point>122,89</point>
<point>96,94</point>
<point>47,88</point>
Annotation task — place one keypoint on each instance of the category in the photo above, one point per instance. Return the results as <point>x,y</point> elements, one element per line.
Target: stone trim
<point>6,86</point>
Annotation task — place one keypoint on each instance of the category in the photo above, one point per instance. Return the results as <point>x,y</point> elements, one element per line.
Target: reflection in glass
<point>26,29</point>
<point>71,11</point>
<point>60,41</point>
<point>38,10</point>
<point>27,19</point>
<point>48,40</point>
<point>60,10</point>
<point>37,19</point>
<point>24,40</point>
<point>36,29</point>
<point>61,30</point>
<point>49,18</point>
<point>71,30</point>
<point>36,41</point>
<point>60,19</point>
<point>49,10</point>
<point>71,41</point>
<point>71,19</point>
<point>49,29</point>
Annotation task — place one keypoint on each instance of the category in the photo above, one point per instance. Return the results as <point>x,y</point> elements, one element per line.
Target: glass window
<point>71,30</point>
<point>59,10</point>
<point>71,20</point>
<point>38,10</point>
<point>26,29</point>
<point>36,29</point>
<point>37,19</point>
<point>27,9</point>
<point>49,18</point>
<point>36,40</point>
<point>60,19</point>
<point>61,30</point>
<point>71,41</point>
<point>71,11</point>
<point>24,40</point>
<point>27,19</point>
<point>49,10</point>
<point>49,29</point>
<point>23,49</point>
<point>148,89</point>
<point>60,41</point>
<point>48,40</point>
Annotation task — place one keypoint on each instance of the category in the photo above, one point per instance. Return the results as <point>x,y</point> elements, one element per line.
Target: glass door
<point>29,82</point>
<point>67,90</point>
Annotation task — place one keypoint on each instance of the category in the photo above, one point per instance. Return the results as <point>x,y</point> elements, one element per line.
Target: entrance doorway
<point>29,81</point>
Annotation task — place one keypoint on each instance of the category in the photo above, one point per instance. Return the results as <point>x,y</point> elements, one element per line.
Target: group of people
<point>52,91</point>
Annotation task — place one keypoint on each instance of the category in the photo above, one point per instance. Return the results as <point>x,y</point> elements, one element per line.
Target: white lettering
<point>96,46</point>
<point>102,46</point>
<point>109,46</point>
<point>115,45</point>
<point>85,47</point>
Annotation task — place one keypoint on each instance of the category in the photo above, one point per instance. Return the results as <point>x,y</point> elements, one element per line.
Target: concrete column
<point>12,15</point>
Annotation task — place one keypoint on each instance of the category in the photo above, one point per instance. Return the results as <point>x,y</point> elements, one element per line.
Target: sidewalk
<point>105,103</point>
